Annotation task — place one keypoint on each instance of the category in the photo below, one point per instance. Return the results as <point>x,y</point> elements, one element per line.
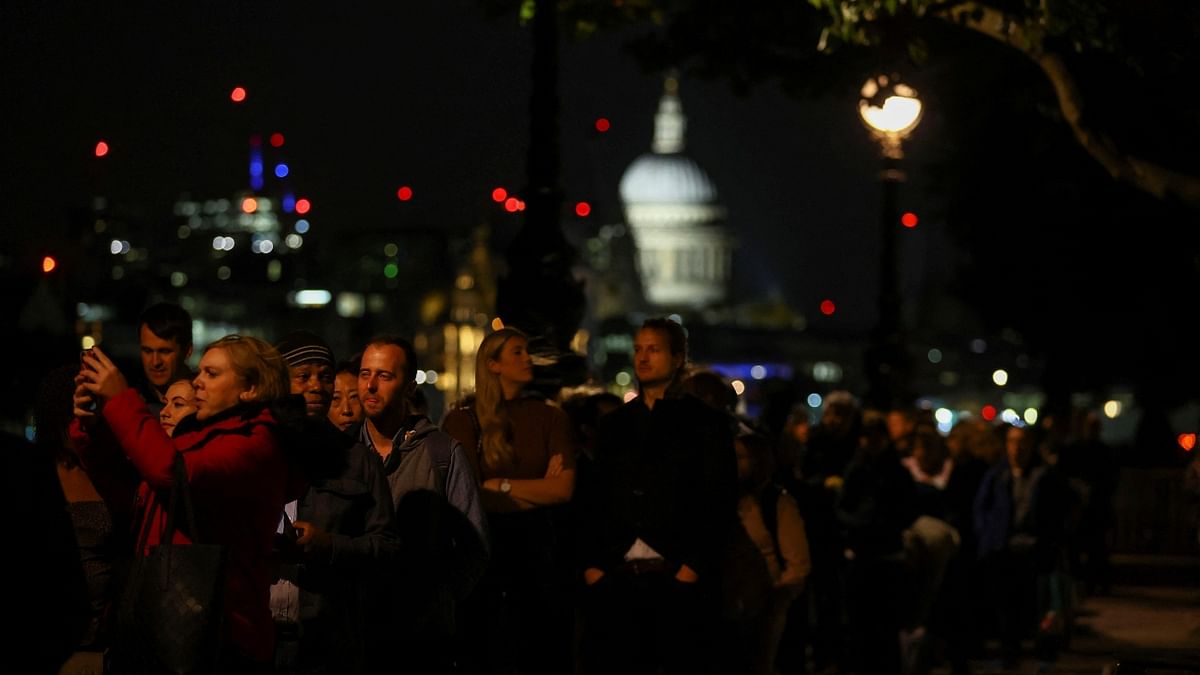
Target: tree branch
<point>1148,176</point>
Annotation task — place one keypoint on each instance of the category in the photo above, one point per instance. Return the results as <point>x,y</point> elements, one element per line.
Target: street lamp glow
<point>1112,409</point>
<point>1000,377</point>
<point>898,115</point>
<point>889,108</point>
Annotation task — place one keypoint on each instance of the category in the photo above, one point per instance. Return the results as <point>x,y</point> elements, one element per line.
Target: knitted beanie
<point>301,346</point>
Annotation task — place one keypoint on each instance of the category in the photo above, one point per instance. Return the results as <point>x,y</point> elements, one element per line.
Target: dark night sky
<point>429,95</point>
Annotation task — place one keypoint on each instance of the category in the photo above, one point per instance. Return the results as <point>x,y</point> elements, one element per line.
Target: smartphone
<point>90,406</point>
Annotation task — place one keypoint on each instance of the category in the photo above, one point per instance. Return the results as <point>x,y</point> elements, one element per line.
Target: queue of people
<point>524,535</point>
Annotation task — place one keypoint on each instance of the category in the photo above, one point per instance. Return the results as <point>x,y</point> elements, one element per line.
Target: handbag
<point>170,613</point>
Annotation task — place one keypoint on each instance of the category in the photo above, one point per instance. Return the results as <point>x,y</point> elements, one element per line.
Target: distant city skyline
<point>373,101</point>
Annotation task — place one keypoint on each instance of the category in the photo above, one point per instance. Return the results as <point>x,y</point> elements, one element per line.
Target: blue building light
<point>753,371</point>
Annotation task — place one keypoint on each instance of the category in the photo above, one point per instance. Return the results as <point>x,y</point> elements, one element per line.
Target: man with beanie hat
<point>311,368</point>
<point>334,537</point>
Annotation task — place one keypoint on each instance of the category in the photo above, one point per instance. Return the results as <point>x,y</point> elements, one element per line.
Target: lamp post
<point>890,110</point>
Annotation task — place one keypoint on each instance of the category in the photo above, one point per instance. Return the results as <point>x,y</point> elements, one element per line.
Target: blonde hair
<point>257,363</point>
<point>495,427</point>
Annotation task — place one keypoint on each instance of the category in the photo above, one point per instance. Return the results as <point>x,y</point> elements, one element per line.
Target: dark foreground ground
<point>1148,622</point>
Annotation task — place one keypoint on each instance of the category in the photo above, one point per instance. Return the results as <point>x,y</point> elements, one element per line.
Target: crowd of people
<point>584,534</point>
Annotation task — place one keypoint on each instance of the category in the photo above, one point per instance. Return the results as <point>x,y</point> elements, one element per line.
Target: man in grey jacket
<point>438,512</point>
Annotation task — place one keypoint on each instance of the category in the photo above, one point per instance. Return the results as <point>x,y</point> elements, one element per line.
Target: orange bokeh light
<point>1187,442</point>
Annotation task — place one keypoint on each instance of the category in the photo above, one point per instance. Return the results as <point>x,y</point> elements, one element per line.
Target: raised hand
<point>100,376</point>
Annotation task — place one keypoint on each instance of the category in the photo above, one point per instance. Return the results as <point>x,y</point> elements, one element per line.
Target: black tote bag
<point>170,613</point>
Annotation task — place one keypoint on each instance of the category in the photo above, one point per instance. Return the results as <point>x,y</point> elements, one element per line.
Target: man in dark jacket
<point>343,529</point>
<point>655,513</point>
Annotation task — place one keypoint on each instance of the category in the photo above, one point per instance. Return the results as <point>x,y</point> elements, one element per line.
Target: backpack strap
<point>439,446</point>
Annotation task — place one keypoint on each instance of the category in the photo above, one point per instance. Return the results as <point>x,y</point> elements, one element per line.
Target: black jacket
<point>349,498</point>
<point>667,476</point>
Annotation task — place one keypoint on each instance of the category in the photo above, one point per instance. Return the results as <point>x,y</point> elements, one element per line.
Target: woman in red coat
<point>236,467</point>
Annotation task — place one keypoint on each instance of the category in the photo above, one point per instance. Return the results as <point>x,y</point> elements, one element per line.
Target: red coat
<point>239,480</point>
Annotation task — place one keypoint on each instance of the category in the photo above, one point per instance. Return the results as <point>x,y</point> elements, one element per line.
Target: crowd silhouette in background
<point>583,534</point>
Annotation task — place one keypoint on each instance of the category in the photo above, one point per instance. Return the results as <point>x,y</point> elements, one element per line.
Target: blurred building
<point>675,255</point>
<point>261,261</point>
<point>684,250</point>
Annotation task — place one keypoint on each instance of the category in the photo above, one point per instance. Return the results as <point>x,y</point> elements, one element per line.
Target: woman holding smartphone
<point>239,476</point>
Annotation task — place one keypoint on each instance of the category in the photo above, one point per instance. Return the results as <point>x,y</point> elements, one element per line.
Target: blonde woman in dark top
<point>522,449</point>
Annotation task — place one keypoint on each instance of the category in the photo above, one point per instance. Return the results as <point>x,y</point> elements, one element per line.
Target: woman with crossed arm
<point>523,452</point>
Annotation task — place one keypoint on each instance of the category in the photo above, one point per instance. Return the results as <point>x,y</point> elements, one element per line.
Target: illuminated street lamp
<point>891,110</point>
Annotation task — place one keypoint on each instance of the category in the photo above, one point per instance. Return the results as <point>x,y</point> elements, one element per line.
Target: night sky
<point>432,96</point>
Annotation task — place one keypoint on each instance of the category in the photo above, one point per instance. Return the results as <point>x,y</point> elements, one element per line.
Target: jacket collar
<point>242,412</point>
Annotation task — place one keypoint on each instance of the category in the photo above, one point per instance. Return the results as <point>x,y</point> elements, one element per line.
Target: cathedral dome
<point>666,175</point>
<point>684,251</point>
<point>674,178</point>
